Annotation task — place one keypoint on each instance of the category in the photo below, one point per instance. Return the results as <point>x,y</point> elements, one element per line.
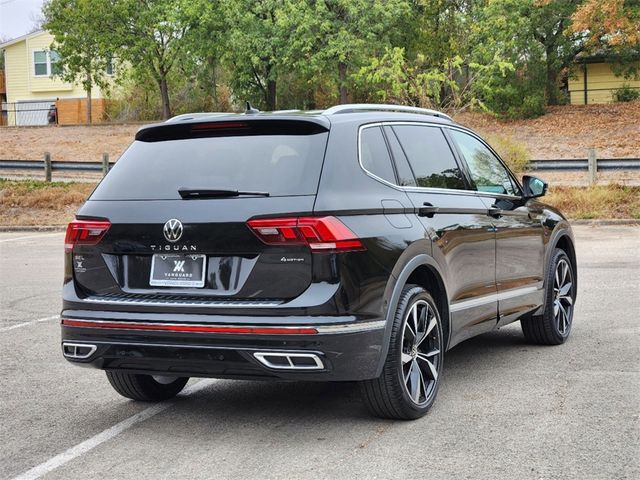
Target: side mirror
<point>533,186</point>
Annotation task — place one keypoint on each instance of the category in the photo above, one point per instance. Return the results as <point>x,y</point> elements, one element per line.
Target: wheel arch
<point>421,270</point>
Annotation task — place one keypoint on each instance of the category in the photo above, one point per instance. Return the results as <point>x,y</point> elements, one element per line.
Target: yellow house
<point>593,81</point>
<point>31,87</point>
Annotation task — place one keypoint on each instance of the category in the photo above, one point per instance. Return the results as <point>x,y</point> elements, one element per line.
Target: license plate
<point>177,271</point>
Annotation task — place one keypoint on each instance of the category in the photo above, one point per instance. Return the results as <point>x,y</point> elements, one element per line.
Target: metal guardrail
<point>56,165</point>
<point>559,165</point>
<point>578,164</point>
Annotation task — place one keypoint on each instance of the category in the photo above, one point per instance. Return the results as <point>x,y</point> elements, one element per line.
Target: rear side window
<point>374,154</point>
<point>272,161</point>
<point>431,159</point>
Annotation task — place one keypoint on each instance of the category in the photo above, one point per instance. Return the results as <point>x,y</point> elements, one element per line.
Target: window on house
<point>40,63</point>
<point>109,68</point>
<point>46,63</point>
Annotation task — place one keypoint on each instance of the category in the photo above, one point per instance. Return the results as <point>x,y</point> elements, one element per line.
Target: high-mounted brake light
<point>218,126</point>
<point>326,234</point>
<point>85,232</point>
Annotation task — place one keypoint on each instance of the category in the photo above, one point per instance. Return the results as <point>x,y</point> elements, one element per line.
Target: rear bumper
<point>298,348</point>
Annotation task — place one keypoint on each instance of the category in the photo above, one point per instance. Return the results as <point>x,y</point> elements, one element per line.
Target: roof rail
<point>191,116</point>
<point>363,107</point>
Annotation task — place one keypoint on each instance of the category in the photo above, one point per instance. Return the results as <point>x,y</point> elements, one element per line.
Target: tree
<point>81,51</point>
<point>611,23</point>
<point>152,36</point>
<point>255,47</point>
<point>337,37</point>
<point>521,48</point>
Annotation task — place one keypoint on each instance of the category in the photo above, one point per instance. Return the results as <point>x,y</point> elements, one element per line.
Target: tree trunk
<point>342,80</point>
<point>164,94</point>
<point>213,67</point>
<point>552,79</point>
<point>271,95</point>
<point>89,106</point>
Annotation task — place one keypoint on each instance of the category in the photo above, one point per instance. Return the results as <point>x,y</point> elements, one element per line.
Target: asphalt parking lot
<point>505,410</point>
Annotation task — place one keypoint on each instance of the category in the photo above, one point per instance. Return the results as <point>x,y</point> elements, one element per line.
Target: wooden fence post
<point>592,161</point>
<point>47,166</point>
<point>105,163</point>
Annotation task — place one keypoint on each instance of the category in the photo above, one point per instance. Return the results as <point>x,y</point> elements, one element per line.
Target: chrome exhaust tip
<point>78,351</point>
<point>290,361</point>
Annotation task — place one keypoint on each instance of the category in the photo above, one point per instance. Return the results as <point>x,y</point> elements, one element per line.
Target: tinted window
<point>278,164</point>
<point>431,159</point>
<point>405,175</point>
<point>488,174</point>
<point>374,154</point>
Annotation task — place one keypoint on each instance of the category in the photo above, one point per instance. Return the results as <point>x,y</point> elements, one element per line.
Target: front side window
<point>487,172</point>
<point>374,154</point>
<point>40,63</point>
<point>431,159</point>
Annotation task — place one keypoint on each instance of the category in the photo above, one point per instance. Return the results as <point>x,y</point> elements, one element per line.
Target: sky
<point>17,17</point>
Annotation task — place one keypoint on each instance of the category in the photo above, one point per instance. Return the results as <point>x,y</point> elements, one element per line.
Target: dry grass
<point>602,201</point>
<point>34,202</point>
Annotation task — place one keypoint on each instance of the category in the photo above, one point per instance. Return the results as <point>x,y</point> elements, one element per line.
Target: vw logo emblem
<point>173,230</point>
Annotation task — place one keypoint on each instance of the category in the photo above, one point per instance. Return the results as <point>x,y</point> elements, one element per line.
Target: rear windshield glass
<point>279,164</point>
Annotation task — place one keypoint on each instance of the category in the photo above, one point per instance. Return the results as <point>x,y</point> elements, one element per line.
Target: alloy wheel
<point>421,356</point>
<point>563,297</point>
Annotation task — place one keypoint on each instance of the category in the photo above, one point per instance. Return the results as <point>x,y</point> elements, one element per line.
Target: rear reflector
<point>326,234</point>
<point>174,327</point>
<point>85,232</point>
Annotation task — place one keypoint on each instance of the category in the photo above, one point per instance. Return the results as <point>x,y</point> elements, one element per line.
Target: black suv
<point>357,243</point>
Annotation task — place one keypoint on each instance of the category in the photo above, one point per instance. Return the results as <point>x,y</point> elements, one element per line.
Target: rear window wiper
<point>191,193</point>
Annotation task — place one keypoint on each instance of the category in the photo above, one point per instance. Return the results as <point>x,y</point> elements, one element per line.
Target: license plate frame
<point>175,274</point>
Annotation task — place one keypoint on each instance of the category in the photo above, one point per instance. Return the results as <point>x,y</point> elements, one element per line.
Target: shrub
<point>626,93</point>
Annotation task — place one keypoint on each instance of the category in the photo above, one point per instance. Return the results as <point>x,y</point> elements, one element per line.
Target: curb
<point>62,228</point>
<point>33,228</point>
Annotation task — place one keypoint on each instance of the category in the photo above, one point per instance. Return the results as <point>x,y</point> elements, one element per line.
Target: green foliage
<point>626,94</point>
<point>393,78</point>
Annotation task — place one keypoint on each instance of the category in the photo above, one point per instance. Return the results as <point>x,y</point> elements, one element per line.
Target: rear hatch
<point>177,205</point>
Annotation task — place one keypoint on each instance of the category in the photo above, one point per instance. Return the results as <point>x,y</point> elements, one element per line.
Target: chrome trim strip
<point>261,357</point>
<point>493,297</point>
<point>181,303</point>
<point>75,346</point>
<point>442,191</point>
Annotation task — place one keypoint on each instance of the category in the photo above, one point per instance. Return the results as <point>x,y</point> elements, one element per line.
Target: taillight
<point>85,232</point>
<point>326,234</point>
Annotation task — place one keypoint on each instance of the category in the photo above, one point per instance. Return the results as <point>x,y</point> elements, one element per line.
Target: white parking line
<point>30,322</point>
<point>91,443</point>
<point>29,237</point>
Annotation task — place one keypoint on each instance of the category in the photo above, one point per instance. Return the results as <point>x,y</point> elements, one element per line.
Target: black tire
<point>145,388</point>
<point>389,395</point>
<point>554,325</point>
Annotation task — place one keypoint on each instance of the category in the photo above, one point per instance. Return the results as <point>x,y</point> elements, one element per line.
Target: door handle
<point>494,211</point>
<point>427,210</point>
